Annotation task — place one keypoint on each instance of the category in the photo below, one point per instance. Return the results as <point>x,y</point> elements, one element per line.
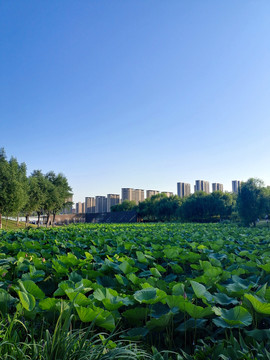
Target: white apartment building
<point>201,185</point>
<point>101,204</point>
<point>138,195</point>
<point>90,204</point>
<point>217,187</point>
<point>150,193</point>
<point>112,199</point>
<point>127,194</point>
<point>235,186</point>
<point>78,207</point>
<point>183,189</point>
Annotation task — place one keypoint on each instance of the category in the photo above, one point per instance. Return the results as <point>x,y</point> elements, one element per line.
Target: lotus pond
<point>168,285</point>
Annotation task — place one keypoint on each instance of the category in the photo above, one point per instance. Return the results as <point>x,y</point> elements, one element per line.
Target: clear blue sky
<point>136,93</point>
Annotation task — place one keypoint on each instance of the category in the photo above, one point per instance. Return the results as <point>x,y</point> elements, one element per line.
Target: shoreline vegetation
<point>158,291</point>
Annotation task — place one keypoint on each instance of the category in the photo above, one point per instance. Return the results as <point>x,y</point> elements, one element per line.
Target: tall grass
<point>64,343</point>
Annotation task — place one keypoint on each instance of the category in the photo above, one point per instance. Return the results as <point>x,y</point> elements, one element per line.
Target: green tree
<point>4,184</point>
<point>19,180</point>
<point>166,208</point>
<point>34,198</point>
<point>57,193</point>
<point>202,207</point>
<point>252,201</point>
<point>159,208</point>
<point>12,186</point>
<point>124,206</point>
<point>39,197</point>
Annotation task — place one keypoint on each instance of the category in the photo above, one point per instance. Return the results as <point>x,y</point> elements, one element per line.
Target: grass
<point>263,223</point>
<point>17,342</point>
<point>12,225</point>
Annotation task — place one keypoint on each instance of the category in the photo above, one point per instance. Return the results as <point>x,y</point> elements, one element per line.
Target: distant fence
<point>112,217</point>
<point>66,219</point>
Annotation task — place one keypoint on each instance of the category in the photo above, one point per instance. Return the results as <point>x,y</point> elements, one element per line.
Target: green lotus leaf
<point>235,317</point>
<point>48,304</point>
<point>31,288</point>
<point>160,323</point>
<point>258,305</point>
<point>78,298</point>
<point>141,257</point>
<point>135,334</point>
<point>155,272</point>
<point>27,300</point>
<point>146,296</point>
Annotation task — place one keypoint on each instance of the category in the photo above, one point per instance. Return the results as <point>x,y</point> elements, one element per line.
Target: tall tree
<point>58,193</point>
<point>4,184</point>
<point>40,186</point>
<point>252,201</point>
<point>33,198</point>
<point>12,186</point>
<point>19,180</point>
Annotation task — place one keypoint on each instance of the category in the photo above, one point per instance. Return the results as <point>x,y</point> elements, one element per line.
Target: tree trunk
<point>18,223</point>
<point>53,221</point>
<point>48,220</point>
<point>6,221</point>
<point>38,222</point>
<point>0,221</point>
<point>26,220</point>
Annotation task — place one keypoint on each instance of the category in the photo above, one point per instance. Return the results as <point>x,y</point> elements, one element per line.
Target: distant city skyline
<point>192,184</point>
<point>102,203</point>
<point>138,94</point>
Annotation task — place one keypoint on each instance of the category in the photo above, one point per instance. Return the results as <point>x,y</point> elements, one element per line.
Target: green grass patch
<point>12,225</point>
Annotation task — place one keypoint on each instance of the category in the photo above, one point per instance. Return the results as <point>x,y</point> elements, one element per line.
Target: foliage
<point>159,208</point>
<point>202,207</point>
<point>167,285</point>
<point>252,201</point>
<point>124,206</point>
<point>38,193</point>
<point>12,186</point>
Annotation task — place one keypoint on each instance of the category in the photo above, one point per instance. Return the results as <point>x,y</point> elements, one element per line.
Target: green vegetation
<point>39,193</point>
<point>14,225</point>
<point>252,202</point>
<point>124,206</point>
<point>187,288</point>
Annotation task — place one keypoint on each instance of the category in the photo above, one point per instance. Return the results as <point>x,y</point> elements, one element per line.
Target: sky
<point>136,93</point>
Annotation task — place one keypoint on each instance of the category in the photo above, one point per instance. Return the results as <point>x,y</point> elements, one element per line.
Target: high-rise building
<point>167,193</point>
<point>201,185</point>
<point>217,187</point>
<point>90,204</point>
<point>130,194</point>
<point>138,195</point>
<point>83,208</point>
<point>112,199</point>
<point>183,189</point>
<point>235,186</point>
<point>101,204</point>
<point>78,207</point>
<point>127,194</point>
<point>150,193</point>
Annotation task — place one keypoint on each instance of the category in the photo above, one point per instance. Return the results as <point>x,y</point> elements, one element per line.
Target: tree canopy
<point>252,201</point>
<point>37,193</point>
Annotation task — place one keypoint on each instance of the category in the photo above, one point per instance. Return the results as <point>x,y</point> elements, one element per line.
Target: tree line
<point>22,195</point>
<point>251,202</point>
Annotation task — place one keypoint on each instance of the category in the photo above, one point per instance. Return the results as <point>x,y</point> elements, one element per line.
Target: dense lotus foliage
<point>165,284</point>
